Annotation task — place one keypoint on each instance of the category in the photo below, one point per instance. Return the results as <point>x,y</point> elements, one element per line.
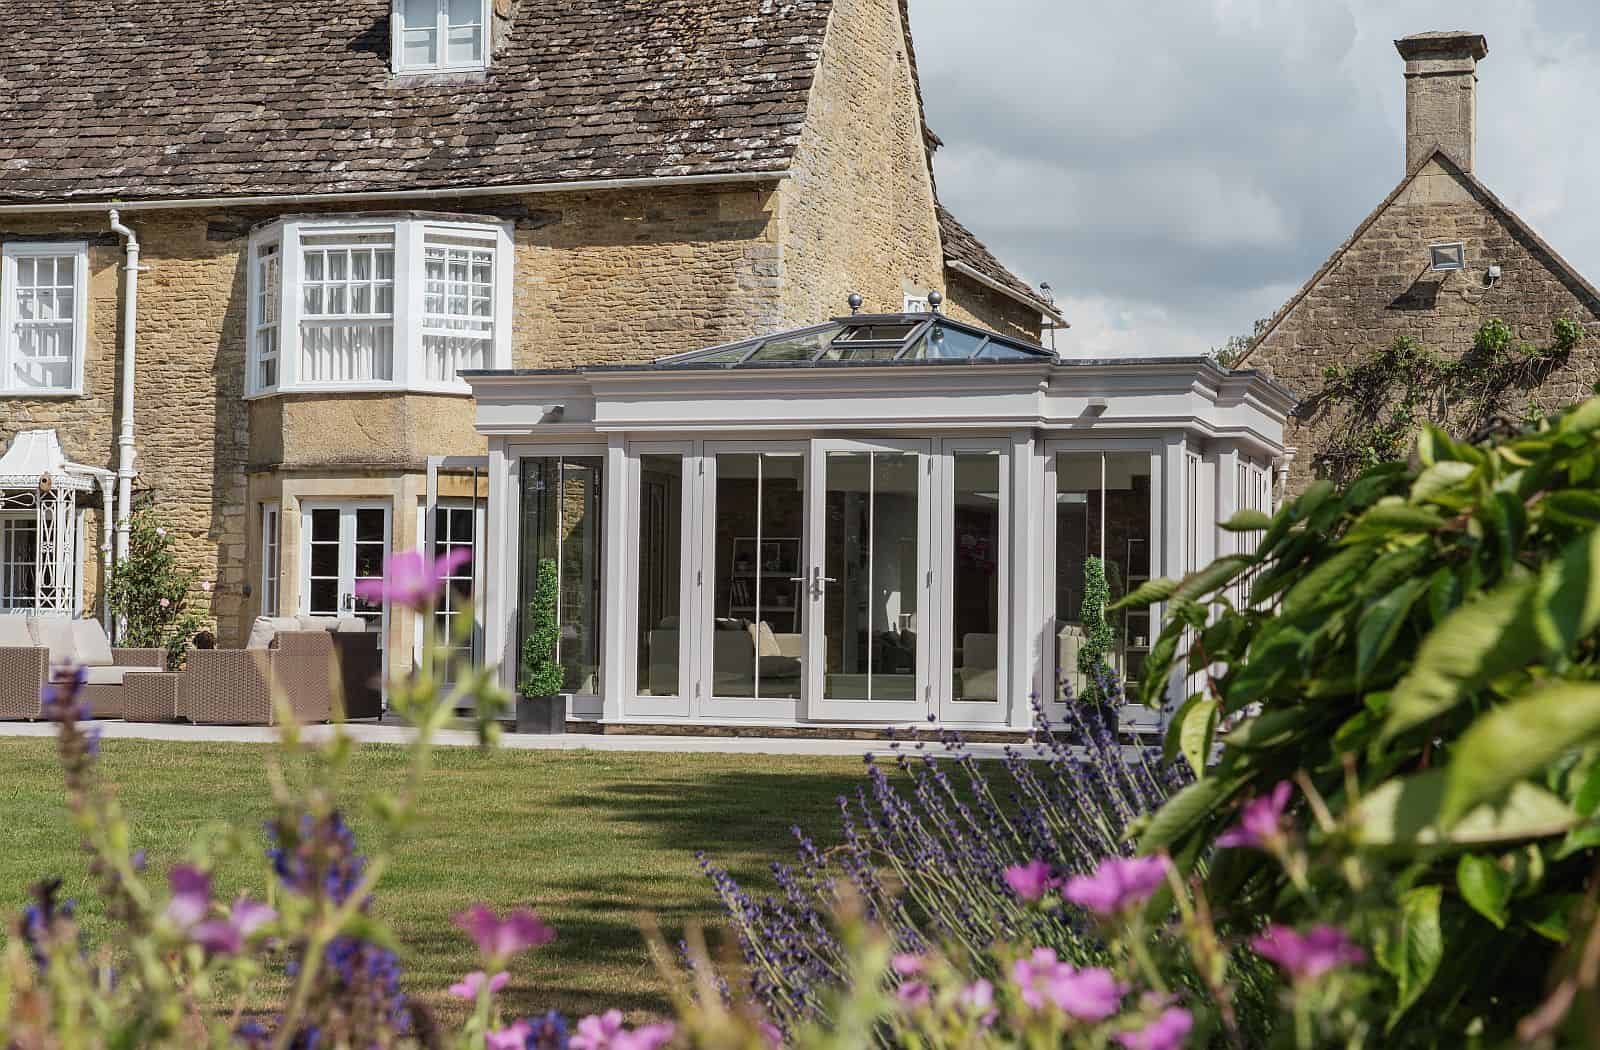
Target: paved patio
<point>392,734</point>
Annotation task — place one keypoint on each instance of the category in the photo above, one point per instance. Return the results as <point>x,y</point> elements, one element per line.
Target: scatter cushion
<point>266,628</point>
<point>351,625</point>
<point>94,648</point>
<point>16,632</point>
<point>766,642</point>
<point>55,634</point>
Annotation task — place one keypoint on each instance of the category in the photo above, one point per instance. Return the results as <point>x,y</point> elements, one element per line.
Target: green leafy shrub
<point>1099,639</point>
<point>1567,333</point>
<point>541,675</point>
<point>1493,338</point>
<point>1422,651</point>
<point>150,594</point>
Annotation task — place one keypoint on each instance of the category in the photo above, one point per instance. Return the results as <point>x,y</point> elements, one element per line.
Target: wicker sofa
<point>307,662</point>
<point>31,646</point>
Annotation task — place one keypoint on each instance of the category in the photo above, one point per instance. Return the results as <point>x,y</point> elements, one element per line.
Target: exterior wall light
<point>1447,256</point>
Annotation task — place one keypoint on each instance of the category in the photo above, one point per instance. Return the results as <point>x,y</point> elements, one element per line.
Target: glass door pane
<point>455,529</point>
<point>974,539</point>
<point>370,546</point>
<point>561,522</point>
<point>660,575</point>
<point>323,590</point>
<point>757,636</point>
<point>872,590</point>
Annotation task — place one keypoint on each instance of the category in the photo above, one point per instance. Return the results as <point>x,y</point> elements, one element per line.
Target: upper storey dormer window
<point>440,36</point>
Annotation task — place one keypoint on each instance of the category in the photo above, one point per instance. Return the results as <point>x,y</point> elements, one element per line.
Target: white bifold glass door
<point>340,545</point>
<point>868,581</point>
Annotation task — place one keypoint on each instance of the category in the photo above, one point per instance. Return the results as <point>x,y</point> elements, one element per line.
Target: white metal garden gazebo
<point>42,525</point>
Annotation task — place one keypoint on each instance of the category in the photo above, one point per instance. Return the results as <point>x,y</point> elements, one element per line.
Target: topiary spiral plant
<point>1098,636</point>
<point>541,674</point>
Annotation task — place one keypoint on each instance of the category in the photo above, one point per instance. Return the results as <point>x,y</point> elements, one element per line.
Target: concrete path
<point>392,734</point>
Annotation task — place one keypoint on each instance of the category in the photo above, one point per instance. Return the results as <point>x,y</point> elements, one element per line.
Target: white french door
<point>972,575</point>
<point>340,544</point>
<point>868,581</point>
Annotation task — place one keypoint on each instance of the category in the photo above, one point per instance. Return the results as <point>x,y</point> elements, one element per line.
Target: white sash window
<point>433,36</point>
<point>345,304</point>
<point>42,311</point>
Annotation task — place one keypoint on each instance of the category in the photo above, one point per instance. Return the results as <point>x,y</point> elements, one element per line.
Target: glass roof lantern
<point>911,338</point>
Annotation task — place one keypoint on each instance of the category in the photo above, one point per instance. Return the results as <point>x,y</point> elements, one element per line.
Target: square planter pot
<point>542,714</point>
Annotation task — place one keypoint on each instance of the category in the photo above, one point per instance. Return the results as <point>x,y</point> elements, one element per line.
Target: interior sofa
<point>738,648</point>
<point>32,647</point>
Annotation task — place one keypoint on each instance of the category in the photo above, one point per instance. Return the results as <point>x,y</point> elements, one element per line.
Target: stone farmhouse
<point>1435,261</point>
<point>247,260</point>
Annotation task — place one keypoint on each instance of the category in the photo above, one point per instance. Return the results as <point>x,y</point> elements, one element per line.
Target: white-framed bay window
<point>439,36</point>
<point>43,317</point>
<point>352,303</point>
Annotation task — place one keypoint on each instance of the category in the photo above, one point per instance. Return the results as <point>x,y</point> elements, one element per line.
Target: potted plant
<point>540,706</point>
<point>1098,642</point>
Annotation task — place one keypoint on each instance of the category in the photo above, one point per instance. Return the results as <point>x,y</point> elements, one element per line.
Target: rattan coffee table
<point>151,696</point>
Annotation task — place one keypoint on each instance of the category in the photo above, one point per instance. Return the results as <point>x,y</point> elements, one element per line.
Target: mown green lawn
<point>591,840</point>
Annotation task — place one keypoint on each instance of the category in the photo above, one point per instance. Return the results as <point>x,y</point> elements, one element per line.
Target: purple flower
<point>977,999</point>
<point>499,939</point>
<point>1308,956</point>
<point>1260,821</point>
<point>770,1033</point>
<point>913,994</point>
<point>908,965</point>
<point>470,985</point>
<point>191,896</point>
<point>1118,884</point>
<point>513,1036</point>
<point>1167,1032</point>
<point>412,578</point>
<point>1089,995</point>
<point>548,1033</point>
<point>606,1032</point>
<point>1031,881</point>
<point>227,936</point>
<point>1031,974</point>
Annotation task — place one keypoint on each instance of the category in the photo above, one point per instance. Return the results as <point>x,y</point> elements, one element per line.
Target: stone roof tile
<point>148,99</point>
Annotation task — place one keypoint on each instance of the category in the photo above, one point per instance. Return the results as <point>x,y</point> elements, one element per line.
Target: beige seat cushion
<point>113,675</point>
<point>55,634</point>
<point>94,648</point>
<point>16,632</point>
<point>318,623</point>
<point>351,625</point>
<point>765,641</point>
<point>266,628</point>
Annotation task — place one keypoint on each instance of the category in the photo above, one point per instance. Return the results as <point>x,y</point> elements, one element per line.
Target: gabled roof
<point>963,252</point>
<point>1496,205</point>
<point>214,98</point>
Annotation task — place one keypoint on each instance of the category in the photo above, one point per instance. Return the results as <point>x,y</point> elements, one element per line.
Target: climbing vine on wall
<point>1376,405</point>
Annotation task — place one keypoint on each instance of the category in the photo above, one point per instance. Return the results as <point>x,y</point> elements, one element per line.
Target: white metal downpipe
<point>125,450</point>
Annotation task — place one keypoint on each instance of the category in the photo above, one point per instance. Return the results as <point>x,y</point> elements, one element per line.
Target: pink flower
<point>512,1037</point>
<point>164,603</point>
<point>1167,1032</point>
<point>1089,995</point>
<point>771,1033</point>
<point>1031,973</point>
<point>191,896</point>
<point>161,533</point>
<point>908,965</point>
<point>1260,821</point>
<point>227,936</point>
<point>206,587</point>
<point>977,999</point>
<point>914,994</point>
<point>1118,884</point>
<point>606,1032</point>
<point>412,578</point>
<point>470,985</point>
<point>499,939</point>
<point>1032,880</point>
<point>1308,956</point>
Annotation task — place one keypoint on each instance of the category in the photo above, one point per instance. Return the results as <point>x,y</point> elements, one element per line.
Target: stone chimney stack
<point>1442,94</point>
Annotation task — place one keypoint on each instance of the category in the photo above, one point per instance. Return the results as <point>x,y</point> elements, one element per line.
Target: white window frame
<point>441,31</point>
<point>9,254</point>
<point>271,556</point>
<point>411,236</point>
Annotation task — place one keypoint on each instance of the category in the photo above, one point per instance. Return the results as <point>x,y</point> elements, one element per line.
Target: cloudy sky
<point>1177,168</point>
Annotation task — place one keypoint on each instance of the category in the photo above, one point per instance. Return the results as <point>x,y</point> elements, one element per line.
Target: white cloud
<point>1177,168</point>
